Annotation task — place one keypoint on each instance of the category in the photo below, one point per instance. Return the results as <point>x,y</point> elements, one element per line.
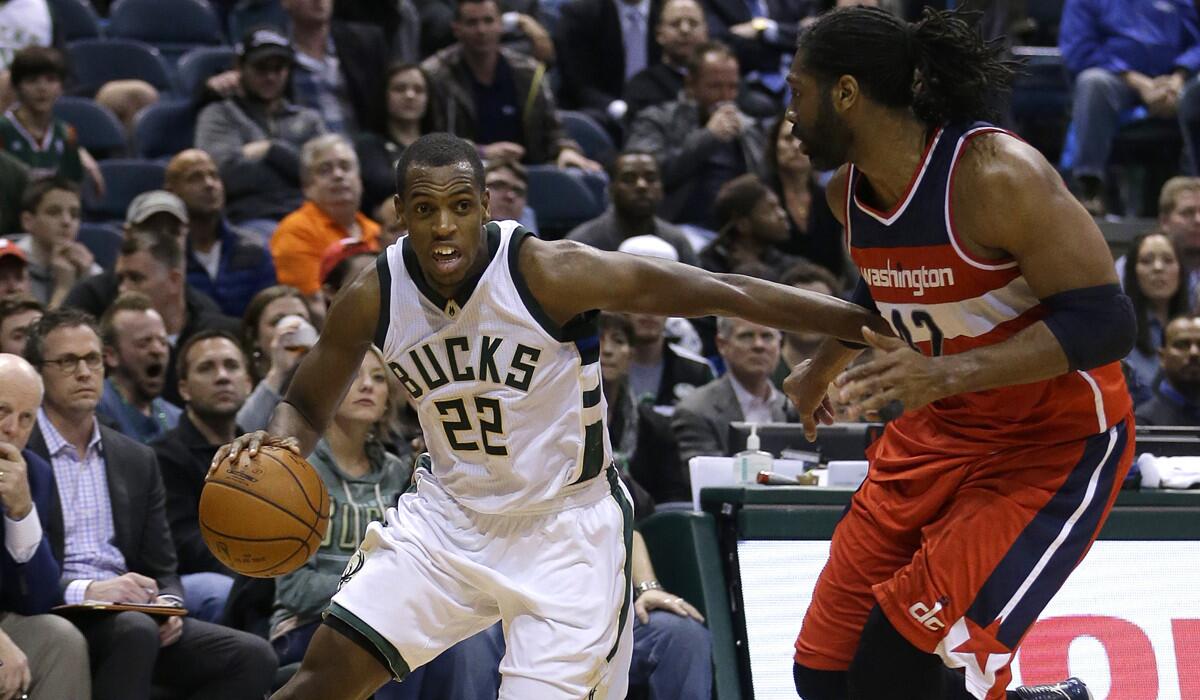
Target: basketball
<point>266,516</point>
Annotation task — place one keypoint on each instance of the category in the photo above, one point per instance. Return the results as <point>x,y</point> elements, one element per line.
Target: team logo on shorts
<point>352,567</point>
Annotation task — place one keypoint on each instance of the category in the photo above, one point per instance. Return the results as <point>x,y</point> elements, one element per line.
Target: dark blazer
<point>701,421</point>
<point>757,53</point>
<point>32,588</point>
<point>591,52</point>
<point>363,56</point>
<point>135,490</point>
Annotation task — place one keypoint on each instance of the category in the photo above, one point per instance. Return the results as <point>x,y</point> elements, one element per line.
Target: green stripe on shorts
<point>396,663</point>
<point>627,517</point>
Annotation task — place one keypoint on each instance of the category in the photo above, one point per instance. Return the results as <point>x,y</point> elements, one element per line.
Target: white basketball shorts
<point>434,573</point>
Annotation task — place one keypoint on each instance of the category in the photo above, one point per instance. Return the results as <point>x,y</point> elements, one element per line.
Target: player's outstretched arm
<point>1008,201</point>
<point>569,278</point>
<point>323,376</point>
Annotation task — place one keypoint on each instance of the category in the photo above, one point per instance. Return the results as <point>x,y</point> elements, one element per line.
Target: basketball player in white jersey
<point>517,515</point>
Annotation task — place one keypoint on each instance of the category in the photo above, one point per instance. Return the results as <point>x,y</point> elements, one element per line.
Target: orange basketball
<point>266,516</point>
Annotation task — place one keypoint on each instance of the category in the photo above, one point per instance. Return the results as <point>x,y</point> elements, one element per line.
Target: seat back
<point>124,179</point>
<point>98,129</point>
<point>75,19</point>
<point>164,129</point>
<point>589,134</point>
<point>200,64</point>
<point>173,26</point>
<point>104,242</point>
<point>95,62</point>
<point>562,199</point>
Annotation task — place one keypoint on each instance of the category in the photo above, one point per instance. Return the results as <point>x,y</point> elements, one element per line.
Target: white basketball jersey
<point>510,403</point>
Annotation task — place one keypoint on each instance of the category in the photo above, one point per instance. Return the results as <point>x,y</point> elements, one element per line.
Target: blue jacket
<point>32,588</point>
<point>1154,37</point>
<point>245,268</point>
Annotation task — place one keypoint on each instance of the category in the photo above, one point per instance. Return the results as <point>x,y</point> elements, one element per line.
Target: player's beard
<point>828,141</point>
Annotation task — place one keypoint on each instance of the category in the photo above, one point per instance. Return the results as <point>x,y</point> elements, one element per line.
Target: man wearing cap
<point>342,261</point>
<point>636,191</point>
<point>158,212</point>
<point>14,271</point>
<point>255,137</point>
<point>225,263</point>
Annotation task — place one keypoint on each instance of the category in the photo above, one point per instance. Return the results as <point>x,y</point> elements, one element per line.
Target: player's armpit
<point>569,278</point>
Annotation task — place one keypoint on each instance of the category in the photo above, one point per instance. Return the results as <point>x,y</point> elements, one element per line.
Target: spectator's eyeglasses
<point>67,363</point>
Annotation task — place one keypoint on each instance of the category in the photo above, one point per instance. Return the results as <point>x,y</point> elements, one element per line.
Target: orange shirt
<point>301,239</point>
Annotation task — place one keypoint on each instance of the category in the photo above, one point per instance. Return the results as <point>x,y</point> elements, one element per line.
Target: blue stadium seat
<point>104,242</point>
<point>75,19</point>
<point>124,179</point>
<point>253,13</point>
<point>164,129</point>
<point>200,64</point>
<point>588,133</point>
<point>99,129</point>
<point>562,199</point>
<point>95,62</point>
<point>172,26</point>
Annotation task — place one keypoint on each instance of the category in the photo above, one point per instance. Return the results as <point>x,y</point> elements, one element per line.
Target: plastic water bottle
<point>750,461</point>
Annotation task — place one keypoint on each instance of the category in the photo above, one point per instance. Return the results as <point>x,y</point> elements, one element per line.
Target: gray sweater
<point>301,596</point>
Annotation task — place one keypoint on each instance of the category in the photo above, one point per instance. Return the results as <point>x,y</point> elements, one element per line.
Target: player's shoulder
<point>1000,164</point>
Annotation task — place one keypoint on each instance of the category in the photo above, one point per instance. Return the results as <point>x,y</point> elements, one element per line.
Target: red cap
<point>8,248</point>
<point>343,249</point>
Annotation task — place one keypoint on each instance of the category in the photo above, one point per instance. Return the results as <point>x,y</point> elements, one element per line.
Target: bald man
<point>40,654</point>
<point>228,264</point>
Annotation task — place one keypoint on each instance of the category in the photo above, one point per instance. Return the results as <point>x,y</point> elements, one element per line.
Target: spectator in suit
<point>109,529</point>
<point>407,99</point>
<point>763,34</point>
<point>14,271</point>
<point>744,393</point>
<point>495,96</point>
<point>214,381</point>
<point>751,226</point>
<point>225,263</point>
<point>1155,284</point>
<point>339,66</point>
<point>702,140</point>
<point>40,654</point>
<point>153,264</point>
<point>507,182</point>
<point>50,213</point>
<point>1176,399</point>
<point>333,193</point>
<point>635,188</point>
<point>255,136</point>
<point>17,314</point>
<point>680,29</point>
<point>1125,54</point>
<point>135,364</point>
<point>602,44</point>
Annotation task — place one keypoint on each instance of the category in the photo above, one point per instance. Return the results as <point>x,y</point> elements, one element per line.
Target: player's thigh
<point>1009,538</point>
<point>867,547</point>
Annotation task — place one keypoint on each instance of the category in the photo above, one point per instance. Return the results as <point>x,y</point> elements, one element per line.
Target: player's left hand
<point>658,599</point>
<point>896,374</point>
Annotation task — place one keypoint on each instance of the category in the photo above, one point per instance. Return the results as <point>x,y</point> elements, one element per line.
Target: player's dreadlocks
<point>939,66</point>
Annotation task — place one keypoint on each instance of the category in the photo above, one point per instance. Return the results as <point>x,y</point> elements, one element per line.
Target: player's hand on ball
<point>658,599</point>
<point>811,396</point>
<point>249,444</point>
<point>896,379</point>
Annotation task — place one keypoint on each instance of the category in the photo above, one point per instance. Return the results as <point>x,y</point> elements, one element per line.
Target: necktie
<point>635,41</point>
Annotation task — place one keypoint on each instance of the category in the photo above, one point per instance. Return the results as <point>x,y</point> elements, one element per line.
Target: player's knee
<point>812,684</point>
<point>885,661</point>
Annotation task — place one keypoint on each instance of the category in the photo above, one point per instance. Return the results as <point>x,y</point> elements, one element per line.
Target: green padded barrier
<point>683,548</point>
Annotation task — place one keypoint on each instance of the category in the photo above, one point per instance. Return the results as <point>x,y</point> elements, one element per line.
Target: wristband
<point>650,585</point>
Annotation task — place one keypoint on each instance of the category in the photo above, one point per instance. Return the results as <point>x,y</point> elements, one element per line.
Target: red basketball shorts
<point>963,559</point>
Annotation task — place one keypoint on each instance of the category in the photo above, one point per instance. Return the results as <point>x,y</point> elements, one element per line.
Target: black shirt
<point>499,114</point>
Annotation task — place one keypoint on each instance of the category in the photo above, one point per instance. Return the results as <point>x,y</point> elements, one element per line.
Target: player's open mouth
<point>445,256</point>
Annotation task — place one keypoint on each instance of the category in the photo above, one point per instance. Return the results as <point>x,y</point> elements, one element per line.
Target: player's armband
<point>1094,325</point>
<point>861,296</point>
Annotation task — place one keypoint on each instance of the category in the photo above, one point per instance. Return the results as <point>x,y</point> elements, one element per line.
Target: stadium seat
<point>98,128</point>
<point>200,64</point>
<point>172,26</point>
<point>95,62</point>
<point>124,179</point>
<point>164,129</point>
<point>253,13</point>
<point>562,199</point>
<point>104,242</point>
<point>588,133</point>
<point>74,19</point>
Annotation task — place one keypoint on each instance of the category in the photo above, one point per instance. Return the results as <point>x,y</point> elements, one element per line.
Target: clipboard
<point>157,609</point>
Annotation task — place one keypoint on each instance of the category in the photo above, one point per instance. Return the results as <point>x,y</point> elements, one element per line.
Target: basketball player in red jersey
<point>1016,428</point>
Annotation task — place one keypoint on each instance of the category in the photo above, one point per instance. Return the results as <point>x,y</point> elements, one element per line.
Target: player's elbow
<point>1094,325</point>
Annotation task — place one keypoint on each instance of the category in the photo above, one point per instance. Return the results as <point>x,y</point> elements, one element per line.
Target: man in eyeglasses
<point>109,529</point>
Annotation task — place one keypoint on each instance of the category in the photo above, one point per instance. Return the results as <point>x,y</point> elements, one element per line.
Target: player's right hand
<point>810,394</point>
<point>249,444</point>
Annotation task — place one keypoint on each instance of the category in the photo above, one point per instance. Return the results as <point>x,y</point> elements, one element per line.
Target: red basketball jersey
<point>943,300</point>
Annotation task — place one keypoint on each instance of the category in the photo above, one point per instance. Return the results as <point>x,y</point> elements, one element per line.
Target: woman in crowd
<point>1156,285</point>
<point>276,331</point>
<point>813,233</point>
<point>406,94</point>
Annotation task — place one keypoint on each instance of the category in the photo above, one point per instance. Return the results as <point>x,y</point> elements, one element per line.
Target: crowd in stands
<point>161,315</point>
